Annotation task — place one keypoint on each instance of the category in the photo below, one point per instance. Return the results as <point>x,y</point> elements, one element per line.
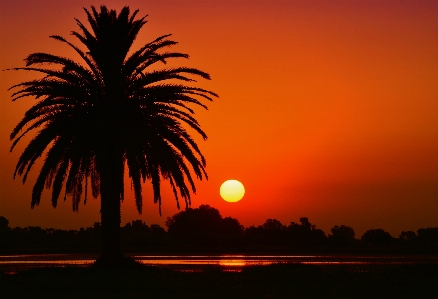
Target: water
<point>13,263</point>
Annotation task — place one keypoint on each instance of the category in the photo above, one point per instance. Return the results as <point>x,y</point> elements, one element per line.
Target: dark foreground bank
<point>275,281</point>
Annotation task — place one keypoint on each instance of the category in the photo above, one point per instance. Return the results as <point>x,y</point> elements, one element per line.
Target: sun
<point>232,190</point>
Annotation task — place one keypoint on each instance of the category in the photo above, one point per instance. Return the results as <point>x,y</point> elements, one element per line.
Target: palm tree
<point>114,111</point>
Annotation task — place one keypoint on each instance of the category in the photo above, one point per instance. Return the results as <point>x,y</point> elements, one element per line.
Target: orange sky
<point>327,109</point>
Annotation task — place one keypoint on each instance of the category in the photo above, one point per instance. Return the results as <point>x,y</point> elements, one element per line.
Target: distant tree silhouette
<point>204,227</point>
<point>135,234</point>
<point>377,238</point>
<point>305,234</point>
<point>158,235</point>
<point>112,110</point>
<point>428,237</point>
<point>5,232</point>
<point>199,227</point>
<point>137,227</point>
<point>273,225</point>
<point>254,236</point>
<point>274,232</point>
<point>407,239</point>
<point>271,233</point>
<point>231,232</point>
<point>342,236</point>
<point>4,223</point>
<point>408,235</point>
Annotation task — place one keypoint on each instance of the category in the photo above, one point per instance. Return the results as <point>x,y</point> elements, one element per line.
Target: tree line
<point>204,229</point>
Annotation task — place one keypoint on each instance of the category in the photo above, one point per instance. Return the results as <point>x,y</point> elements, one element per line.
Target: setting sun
<point>232,190</point>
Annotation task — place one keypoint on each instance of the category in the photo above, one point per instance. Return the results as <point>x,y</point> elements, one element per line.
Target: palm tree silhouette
<point>115,111</point>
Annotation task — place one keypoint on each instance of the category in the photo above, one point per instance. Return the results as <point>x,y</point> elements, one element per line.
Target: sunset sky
<point>327,109</point>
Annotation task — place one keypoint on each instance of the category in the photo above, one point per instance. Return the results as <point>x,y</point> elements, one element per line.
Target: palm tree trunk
<point>110,219</point>
<point>109,162</point>
<point>110,201</point>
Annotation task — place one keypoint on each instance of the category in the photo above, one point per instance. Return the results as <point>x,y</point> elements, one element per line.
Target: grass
<point>274,281</point>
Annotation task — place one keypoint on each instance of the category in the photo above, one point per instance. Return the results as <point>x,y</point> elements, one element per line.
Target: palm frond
<point>111,109</point>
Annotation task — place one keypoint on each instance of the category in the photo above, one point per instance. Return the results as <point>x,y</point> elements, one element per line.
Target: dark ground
<point>275,281</point>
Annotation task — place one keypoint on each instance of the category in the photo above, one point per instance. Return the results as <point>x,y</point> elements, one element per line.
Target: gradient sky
<point>327,109</point>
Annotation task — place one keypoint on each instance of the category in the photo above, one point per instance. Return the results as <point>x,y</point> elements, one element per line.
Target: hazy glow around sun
<point>232,190</point>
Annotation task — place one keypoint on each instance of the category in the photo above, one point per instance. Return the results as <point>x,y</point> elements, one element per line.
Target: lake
<point>13,263</point>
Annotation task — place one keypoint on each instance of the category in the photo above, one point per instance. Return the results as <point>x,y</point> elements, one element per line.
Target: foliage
<point>193,229</point>
<point>428,237</point>
<point>114,108</point>
<point>342,236</point>
<point>203,226</point>
<point>137,235</point>
<point>274,233</point>
<point>377,237</point>
<point>114,100</point>
<point>306,234</point>
<point>4,223</point>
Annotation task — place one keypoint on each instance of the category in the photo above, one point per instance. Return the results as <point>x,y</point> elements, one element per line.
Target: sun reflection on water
<point>232,263</point>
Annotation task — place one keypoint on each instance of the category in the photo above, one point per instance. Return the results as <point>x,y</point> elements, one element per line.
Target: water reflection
<point>232,263</point>
<point>219,260</point>
<point>13,263</point>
